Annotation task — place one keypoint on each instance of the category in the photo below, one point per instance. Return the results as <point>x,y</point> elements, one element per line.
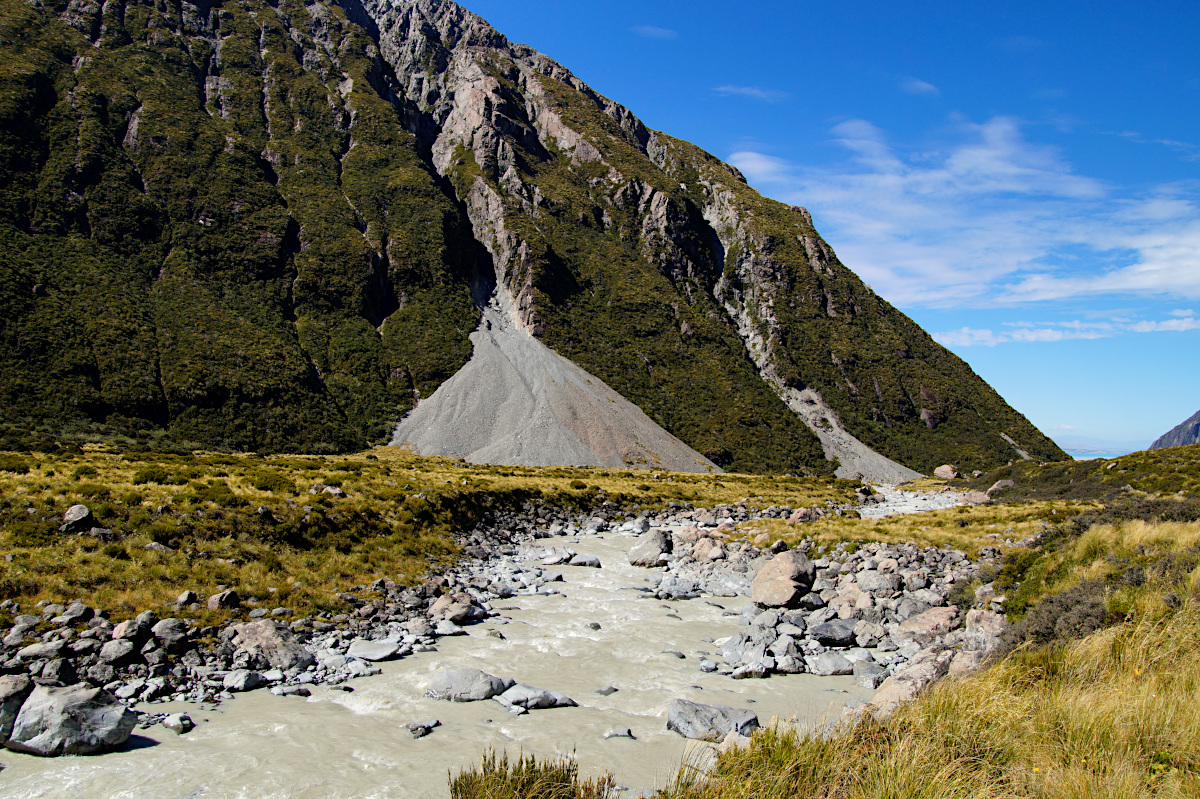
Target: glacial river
<point>338,744</point>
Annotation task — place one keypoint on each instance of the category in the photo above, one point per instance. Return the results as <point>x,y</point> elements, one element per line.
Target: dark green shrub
<point>578,485</point>
<point>85,471</point>
<point>273,482</point>
<point>14,464</point>
<point>32,534</point>
<point>92,491</point>
<point>115,551</point>
<point>151,474</point>
<point>1063,616</point>
<point>218,493</point>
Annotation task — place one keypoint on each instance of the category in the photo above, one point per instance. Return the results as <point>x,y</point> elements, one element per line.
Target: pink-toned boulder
<point>946,472</point>
<point>926,667</point>
<point>783,580</point>
<point>929,625</point>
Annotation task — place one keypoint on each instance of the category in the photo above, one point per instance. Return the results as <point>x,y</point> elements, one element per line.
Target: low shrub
<point>525,778</point>
<point>14,464</point>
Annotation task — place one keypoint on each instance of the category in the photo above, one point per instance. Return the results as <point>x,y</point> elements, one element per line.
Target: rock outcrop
<point>1183,434</point>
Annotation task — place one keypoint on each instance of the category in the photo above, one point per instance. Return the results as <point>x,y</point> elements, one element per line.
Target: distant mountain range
<point>1185,433</point>
<point>275,226</point>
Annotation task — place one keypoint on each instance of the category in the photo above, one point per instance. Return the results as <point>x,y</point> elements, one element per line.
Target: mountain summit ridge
<point>258,226</point>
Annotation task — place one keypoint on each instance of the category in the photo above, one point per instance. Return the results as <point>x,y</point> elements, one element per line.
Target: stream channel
<point>355,744</point>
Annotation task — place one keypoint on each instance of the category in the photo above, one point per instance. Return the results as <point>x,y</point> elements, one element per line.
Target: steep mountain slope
<point>1181,435</point>
<point>256,226</point>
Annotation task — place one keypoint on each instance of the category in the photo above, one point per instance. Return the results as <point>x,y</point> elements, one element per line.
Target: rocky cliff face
<point>1181,435</point>
<point>258,226</point>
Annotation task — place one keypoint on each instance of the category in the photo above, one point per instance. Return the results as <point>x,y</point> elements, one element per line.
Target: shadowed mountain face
<point>1180,436</point>
<point>257,226</point>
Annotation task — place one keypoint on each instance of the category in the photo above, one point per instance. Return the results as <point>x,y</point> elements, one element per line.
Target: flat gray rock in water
<point>466,685</point>
<point>76,720</point>
<point>709,722</point>
<point>372,650</point>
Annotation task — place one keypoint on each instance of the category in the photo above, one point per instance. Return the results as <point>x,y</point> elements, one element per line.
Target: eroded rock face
<point>709,722</point>
<point>14,689</point>
<point>783,580</point>
<point>76,720</point>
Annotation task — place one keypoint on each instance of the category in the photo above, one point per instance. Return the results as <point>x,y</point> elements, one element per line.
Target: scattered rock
<point>624,732</point>
<point>226,600</point>
<point>530,698</point>
<point>179,723</point>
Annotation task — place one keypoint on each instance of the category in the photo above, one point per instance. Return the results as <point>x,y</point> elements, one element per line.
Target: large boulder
<point>709,722</point>
<point>226,600</point>
<point>946,472</point>
<point>76,720</point>
<point>14,690</point>
<point>77,519</point>
<point>455,607</point>
<point>273,643</point>
<point>171,635</point>
<point>925,627</point>
<point>836,632</point>
<point>783,580</point>
<point>829,663</point>
<point>466,685</point>
<point>649,548</point>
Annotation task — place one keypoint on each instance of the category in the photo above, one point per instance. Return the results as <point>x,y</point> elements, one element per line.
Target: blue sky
<point>1023,179</point>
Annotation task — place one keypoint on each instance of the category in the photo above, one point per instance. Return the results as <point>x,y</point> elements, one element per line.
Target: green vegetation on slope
<point>213,225</point>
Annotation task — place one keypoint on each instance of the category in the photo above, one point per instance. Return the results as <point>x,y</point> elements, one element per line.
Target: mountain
<point>275,226</point>
<point>1183,434</point>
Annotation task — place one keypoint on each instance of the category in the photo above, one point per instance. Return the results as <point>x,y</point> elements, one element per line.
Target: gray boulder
<point>243,680</point>
<point>649,548</point>
<point>836,632</point>
<point>466,685</point>
<point>709,722</point>
<point>179,723</point>
<point>77,519</point>
<point>829,663</point>
<point>783,580</point>
<point>76,720</point>
<point>48,650</point>
<point>589,561</point>
<point>272,642</point>
<point>372,650</point>
<point>530,698</point>
<point>14,690</point>
<point>118,652</point>
<point>171,634</point>
<point>226,600</point>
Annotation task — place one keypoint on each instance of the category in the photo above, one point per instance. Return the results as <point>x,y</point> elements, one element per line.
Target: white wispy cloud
<point>753,92</point>
<point>989,219</point>
<point>653,32</point>
<point>1028,332</point>
<point>918,86</point>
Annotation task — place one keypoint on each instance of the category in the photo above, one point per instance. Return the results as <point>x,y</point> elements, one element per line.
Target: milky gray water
<point>338,744</point>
